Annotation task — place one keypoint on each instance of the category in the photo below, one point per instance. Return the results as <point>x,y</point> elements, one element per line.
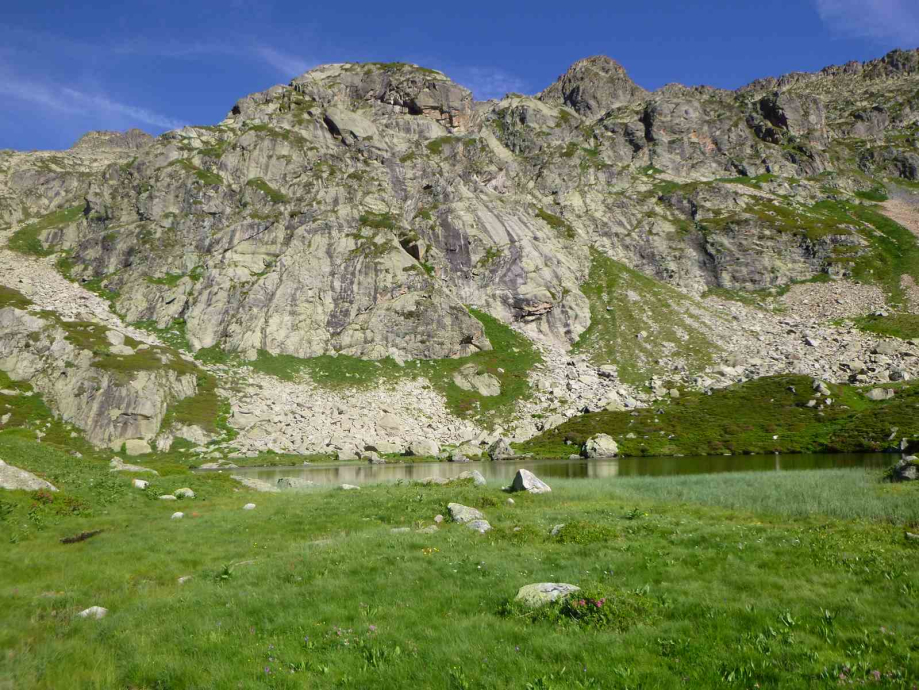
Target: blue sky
<point>66,68</point>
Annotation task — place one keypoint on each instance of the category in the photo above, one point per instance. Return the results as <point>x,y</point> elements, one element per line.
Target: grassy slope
<point>904,326</point>
<point>638,303</point>
<point>744,418</point>
<point>323,595</point>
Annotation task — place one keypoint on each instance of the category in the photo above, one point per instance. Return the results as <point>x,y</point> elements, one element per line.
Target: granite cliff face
<point>360,209</point>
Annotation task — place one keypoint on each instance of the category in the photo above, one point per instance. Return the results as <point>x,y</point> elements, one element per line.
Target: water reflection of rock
<point>501,473</point>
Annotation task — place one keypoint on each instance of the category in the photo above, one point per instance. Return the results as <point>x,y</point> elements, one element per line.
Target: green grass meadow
<point>771,580</point>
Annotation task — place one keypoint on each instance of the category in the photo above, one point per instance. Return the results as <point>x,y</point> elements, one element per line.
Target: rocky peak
<point>406,87</point>
<point>131,140</point>
<point>592,86</point>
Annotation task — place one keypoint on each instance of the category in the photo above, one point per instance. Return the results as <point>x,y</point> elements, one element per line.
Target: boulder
<point>168,497</point>
<point>140,484</point>
<point>137,446</point>
<point>372,457</point>
<point>423,448</point>
<point>470,378</point>
<point>500,450</point>
<point>525,480</point>
<point>542,593</point>
<point>457,456</point>
<point>477,478</point>
<point>878,394</point>
<point>347,455</point>
<point>95,612</point>
<point>600,446</point>
<point>390,423</point>
<point>249,506</point>
<point>440,481</point>
<point>350,487</point>
<point>177,516</point>
<point>184,492</point>
<point>14,479</point>
<point>463,514</point>
<point>906,470</point>
<point>480,526</point>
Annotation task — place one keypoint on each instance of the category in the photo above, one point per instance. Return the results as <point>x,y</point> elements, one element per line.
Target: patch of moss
<point>556,223</point>
<point>273,194</point>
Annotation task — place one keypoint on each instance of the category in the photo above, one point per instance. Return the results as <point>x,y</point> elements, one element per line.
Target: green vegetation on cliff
<point>27,240</point>
<point>634,320</point>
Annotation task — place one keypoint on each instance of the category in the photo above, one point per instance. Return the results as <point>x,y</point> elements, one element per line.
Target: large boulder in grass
<point>600,446</point>
<point>525,480</point>
<point>463,514</point>
<point>13,478</point>
<point>906,470</point>
<point>542,593</point>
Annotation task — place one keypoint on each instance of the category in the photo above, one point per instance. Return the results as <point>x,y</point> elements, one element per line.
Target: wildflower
<point>876,674</point>
<point>268,669</point>
<point>373,628</point>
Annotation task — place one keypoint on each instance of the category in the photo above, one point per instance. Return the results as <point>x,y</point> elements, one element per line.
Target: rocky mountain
<point>639,241</point>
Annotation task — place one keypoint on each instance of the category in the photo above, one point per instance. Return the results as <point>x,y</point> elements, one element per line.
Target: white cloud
<point>286,64</point>
<point>74,102</point>
<point>489,82</point>
<point>887,20</point>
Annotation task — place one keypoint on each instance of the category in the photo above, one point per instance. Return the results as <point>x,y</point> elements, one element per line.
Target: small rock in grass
<point>350,487</point>
<point>480,526</point>
<point>167,497</point>
<point>140,484</point>
<point>177,516</point>
<point>542,593</point>
<point>912,537</point>
<point>463,514</point>
<point>249,506</point>
<point>430,529</point>
<point>438,519</point>
<point>184,579</point>
<point>525,480</point>
<point>96,612</point>
<point>183,493</point>
<point>555,530</point>
<point>510,501</point>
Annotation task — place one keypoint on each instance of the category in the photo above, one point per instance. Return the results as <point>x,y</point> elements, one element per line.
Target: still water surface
<point>575,469</point>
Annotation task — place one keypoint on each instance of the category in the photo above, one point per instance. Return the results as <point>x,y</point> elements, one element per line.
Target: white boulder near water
<point>525,480</point>
<point>601,446</point>
<point>13,478</point>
